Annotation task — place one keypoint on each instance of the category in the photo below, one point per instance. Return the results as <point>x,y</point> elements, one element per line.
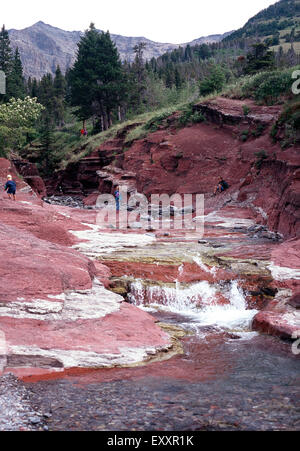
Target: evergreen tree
<point>214,82</point>
<point>178,79</point>
<point>45,94</point>
<point>259,59</point>
<point>59,91</point>
<point>97,81</point>
<point>280,57</point>
<point>6,59</point>
<point>169,77</point>
<point>46,131</point>
<point>188,53</point>
<point>15,81</point>
<point>6,55</point>
<point>11,65</point>
<point>291,57</point>
<point>34,88</point>
<point>138,78</point>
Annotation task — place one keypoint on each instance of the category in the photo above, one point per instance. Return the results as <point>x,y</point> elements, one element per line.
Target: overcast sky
<point>175,21</point>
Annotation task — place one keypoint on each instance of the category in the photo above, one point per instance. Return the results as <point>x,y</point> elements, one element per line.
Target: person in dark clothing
<point>10,187</point>
<point>222,186</point>
<point>118,198</point>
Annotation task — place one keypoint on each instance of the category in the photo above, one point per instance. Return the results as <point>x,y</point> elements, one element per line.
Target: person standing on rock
<point>118,198</point>
<point>10,187</point>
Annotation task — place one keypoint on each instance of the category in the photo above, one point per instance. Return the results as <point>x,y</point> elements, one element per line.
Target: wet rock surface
<point>67,201</point>
<point>55,309</point>
<point>17,412</point>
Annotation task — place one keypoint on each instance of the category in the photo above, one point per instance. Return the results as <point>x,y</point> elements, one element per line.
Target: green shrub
<point>261,156</point>
<point>246,110</point>
<point>290,121</point>
<point>244,135</point>
<point>189,116</point>
<point>156,121</point>
<point>214,83</point>
<point>197,117</point>
<point>268,87</point>
<point>259,130</point>
<point>274,131</point>
<point>291,114</point>
<point>273,87</point>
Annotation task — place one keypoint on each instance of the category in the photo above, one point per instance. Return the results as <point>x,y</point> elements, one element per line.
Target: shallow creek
<point>224,377</point>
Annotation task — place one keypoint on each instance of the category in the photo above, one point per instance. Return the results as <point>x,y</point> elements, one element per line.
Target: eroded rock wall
<point>190,160</point>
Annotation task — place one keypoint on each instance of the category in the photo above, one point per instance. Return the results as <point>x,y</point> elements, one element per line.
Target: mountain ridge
<point>42,47</point>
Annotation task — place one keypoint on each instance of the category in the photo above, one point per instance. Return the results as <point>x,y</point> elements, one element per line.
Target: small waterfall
<point>177,299</point>
<point>234,315</point>
<point>203,304</point>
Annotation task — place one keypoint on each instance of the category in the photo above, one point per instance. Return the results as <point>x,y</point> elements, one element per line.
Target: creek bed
<point>218,384</point>
<point>227,377</point>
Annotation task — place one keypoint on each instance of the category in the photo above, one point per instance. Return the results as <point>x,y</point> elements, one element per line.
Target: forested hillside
<point>100,91</point>
<point>278,25</point>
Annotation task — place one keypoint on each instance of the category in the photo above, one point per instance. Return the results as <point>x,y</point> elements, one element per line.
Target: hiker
<point>118,198</point>
<point>222,186</point>
<point>10,187</point>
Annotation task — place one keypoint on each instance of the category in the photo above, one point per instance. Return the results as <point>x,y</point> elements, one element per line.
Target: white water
<point>197,304</point>
<point>199,262</point>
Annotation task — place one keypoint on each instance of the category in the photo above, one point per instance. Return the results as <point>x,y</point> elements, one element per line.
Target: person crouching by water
<point>10,187</point>
<point>222,186</point>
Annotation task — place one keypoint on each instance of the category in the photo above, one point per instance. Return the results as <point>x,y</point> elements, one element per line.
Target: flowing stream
<point>226,376</point>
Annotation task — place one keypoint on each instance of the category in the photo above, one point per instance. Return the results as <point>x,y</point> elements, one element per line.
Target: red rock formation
<point>31,176</point>
<point>55,311</point>
<point>261,175</point>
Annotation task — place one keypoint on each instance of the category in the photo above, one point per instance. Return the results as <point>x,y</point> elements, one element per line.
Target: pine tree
<point>47,140</point>
<point>188,53</point>
<point>214,82</point>
<point>45,94</point>
<point>280,57</point>
<point>259,59</point>
<point>291,56</point>
<point>178,79</point>
<point>11,65</point>
<point>59,91</point>
<point>6,55</point>
<point>59,84</point>
<point>97,81</point>
<point>138,78</point>
<point>34,88</point>
<point>169,77</point>
<point>6,60</point>
<point>15,81</point>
